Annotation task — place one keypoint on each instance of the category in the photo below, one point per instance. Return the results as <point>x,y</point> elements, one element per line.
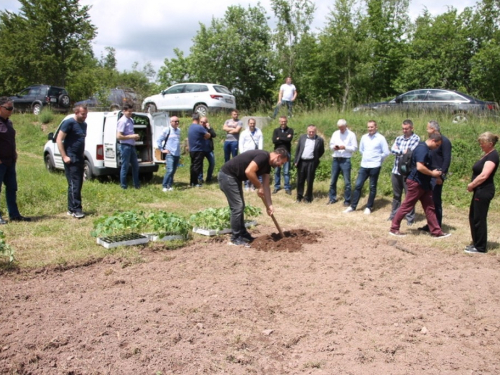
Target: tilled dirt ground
<point>331,302</point>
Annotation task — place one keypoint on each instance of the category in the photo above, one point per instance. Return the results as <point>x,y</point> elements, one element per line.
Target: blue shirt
<point>374,149</point>
<point>173,144</point>
<point>421,155</point>
<point>74,142</point>
<point>196,138</point>
<point>125,126</point>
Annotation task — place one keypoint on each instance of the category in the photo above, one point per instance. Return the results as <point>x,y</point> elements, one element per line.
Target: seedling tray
<point>129,239</point>
<point>170,237</point>
<point>215,232</point>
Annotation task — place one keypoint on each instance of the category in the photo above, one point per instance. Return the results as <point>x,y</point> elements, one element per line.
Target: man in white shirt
<point>287,95</point>
<point>343,144</point>
<point>374,148</point>
<point>250,139</point>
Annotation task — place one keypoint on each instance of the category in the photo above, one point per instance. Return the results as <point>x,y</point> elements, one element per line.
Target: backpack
<point>404,166</point>
<point>163,155</point>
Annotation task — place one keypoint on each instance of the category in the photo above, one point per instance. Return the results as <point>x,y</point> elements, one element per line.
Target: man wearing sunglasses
<point>8,158</point>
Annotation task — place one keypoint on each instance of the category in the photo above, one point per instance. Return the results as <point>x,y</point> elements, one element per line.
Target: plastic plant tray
<point>128,239</point>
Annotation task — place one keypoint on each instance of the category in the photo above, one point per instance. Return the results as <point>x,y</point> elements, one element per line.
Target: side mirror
<point>50,137</point>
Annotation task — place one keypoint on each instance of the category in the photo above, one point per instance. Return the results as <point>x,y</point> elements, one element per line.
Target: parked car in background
<point>459,105</point>
<point>34,98</point>
<point>191,97</point>
<point>116,99</point>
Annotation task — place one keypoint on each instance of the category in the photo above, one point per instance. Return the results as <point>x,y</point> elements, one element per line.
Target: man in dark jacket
<point>209,152</point>
<point>310,149</point>
<point>282,138</point>
<point>8,158</point>
<point>440,160</point>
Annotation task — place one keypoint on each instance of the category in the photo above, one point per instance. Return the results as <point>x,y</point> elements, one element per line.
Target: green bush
<point>46,116</point>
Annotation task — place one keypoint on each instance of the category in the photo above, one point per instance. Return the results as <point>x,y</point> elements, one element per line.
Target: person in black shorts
<point>248,166</point>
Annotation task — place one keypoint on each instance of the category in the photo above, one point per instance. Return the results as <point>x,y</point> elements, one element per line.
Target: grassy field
<point>55,238</point>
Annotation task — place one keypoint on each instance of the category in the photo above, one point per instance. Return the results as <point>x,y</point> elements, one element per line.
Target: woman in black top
<point>483,190</point>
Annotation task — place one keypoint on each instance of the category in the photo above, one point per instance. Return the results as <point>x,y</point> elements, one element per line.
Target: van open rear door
<point>110,142</point>
<point>160,121</point>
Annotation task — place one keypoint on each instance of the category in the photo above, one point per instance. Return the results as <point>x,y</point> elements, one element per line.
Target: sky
<point>149,30</point>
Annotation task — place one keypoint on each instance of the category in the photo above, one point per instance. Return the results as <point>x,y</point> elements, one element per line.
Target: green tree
<point>232,51</point>
<point>48,40</point>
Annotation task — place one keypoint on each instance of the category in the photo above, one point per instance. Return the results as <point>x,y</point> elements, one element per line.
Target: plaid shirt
<point>401,144</point>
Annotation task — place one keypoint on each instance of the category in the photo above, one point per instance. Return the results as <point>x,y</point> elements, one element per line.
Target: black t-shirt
<point>477,168</point>
<point>236,166</point>
<point>74,142</point>
<point>421,155</point>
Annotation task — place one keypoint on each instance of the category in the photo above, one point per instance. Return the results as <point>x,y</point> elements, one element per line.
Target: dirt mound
<point>292,241</point>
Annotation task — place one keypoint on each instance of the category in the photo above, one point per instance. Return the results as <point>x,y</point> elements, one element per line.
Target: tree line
<point>368,50</point>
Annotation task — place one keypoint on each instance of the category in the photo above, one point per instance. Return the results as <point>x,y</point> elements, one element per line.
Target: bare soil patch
<point>292,241</point>
<point>346,302</point>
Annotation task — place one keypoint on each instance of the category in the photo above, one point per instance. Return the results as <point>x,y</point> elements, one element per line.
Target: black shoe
<point>331,202</point>
<point>247,237</point>
<point>20,218</point>
<point>2,221</point>
<point>276,191</point>
<point>472,250</point>
<point>307,201</point>
<point>289,192</point>
<point>424,229</point>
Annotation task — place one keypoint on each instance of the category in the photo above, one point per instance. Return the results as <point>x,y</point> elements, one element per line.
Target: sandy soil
<point>344,303</point>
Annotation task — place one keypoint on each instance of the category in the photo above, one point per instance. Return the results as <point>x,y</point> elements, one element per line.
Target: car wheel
<point>37,108</point>
<point>64,101</point>
<point>87,171</point>
<point>49,165</point>
<point>459,118</point>
<point>201,109</point>
<point>151,108</point>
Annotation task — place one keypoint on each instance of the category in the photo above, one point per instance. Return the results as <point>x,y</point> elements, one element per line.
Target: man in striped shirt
<point>404,143</point>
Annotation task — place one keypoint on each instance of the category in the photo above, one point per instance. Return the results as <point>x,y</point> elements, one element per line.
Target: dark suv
<point>116,99</point>
<point>34,98</point>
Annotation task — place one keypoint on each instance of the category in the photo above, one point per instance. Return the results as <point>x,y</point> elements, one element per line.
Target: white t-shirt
<point>288,91</point>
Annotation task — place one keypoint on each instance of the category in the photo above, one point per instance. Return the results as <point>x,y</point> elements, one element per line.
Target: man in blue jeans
<point>343,144</point>
<point>374,148</point>
<point>125,134</point>
<point>232,127</point>
<point>169,143</point>
<point>8,158</point>
<point>282,138</point>
<point>71,144</point>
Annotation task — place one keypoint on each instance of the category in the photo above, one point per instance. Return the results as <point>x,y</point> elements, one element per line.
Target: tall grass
<point>55,238</point>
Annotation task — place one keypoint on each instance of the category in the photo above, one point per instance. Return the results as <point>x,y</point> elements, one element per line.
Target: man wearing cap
<point>343,144</point>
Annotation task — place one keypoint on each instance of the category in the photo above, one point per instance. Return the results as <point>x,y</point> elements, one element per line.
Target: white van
<point>102,151</point>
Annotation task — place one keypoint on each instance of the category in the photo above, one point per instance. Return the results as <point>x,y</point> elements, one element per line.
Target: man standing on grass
<point>282,138</point>
<point>343,144</point>
<point>249,165</point>
<point>169,143</point>
<point>286,96</point>
<point>374,148</point>
<point>125,134</point>
<point>310,149</point>
<point>419,188</point>
<point>71,144</point>
<point>197,136</point>
<point>403,144</point>
<point>209,151</point>
<point>441,160</point>
<point>8,159</point>
<point>232,127</point>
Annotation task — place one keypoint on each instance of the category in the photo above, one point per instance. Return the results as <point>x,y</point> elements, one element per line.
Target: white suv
<point>191,97</point>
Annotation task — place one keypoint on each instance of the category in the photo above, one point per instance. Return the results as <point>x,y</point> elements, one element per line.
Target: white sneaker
<point>164,190</point>
<point>348,209</point>
<point>170,189</point>
<point>367,211</point>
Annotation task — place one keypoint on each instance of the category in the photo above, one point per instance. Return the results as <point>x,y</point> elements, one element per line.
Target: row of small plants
<point>165,223</point>
<point>5,249</point>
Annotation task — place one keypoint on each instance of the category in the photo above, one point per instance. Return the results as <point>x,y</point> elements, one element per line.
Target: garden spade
<point>275,221</point>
